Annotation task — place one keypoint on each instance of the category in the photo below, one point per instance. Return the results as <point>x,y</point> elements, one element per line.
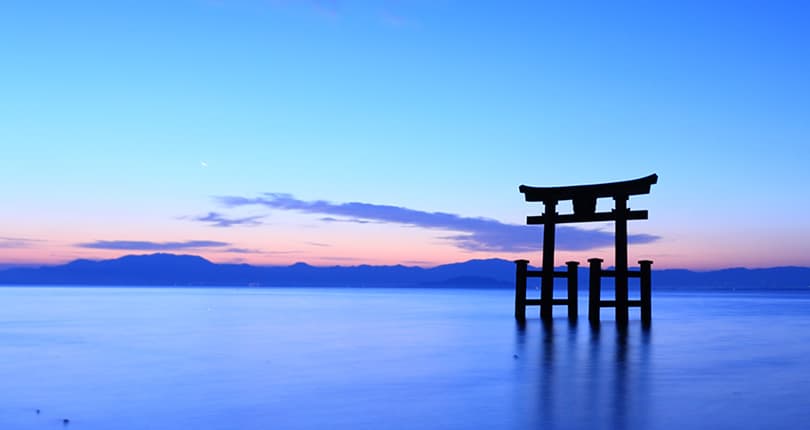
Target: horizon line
<point>35,265</point>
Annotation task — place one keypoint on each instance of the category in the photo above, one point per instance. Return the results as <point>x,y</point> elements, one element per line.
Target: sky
<point>397,132</point>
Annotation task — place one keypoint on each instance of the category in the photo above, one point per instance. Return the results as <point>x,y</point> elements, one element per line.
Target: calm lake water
<point>305,358</point>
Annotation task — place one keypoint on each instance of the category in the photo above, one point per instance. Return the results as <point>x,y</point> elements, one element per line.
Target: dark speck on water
<point>350,358</point>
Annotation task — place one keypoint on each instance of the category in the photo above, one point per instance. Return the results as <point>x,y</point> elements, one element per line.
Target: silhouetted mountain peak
<point>81,262</point>
<point>300,265</point>
<point>163,257</point>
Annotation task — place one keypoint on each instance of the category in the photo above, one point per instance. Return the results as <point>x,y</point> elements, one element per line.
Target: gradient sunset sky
<point>384,132</point>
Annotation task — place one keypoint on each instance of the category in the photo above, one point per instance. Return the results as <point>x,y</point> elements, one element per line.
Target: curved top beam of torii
<point>576,192</point>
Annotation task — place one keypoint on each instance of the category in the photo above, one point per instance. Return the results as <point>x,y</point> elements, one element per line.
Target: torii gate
<point>584,202</point>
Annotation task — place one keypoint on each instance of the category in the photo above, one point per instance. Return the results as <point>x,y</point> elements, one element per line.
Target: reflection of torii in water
<point>584,202</point>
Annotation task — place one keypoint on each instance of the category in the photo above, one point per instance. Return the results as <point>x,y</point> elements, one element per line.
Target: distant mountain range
<point>190,270</point>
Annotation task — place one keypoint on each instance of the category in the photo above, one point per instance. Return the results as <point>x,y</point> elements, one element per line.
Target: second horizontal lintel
<point>594,217</point>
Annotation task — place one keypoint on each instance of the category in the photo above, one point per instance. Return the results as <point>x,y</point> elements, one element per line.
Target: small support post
<point>547,276</point>
<point>573,283</point>
<point>520,289</point>
<point>594,289</point>
<point>646,290</point>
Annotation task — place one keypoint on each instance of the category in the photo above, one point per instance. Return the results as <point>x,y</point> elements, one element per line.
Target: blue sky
<point>129,121</point>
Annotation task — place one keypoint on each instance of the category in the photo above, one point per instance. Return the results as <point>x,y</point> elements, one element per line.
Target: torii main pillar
<point>584,199</point>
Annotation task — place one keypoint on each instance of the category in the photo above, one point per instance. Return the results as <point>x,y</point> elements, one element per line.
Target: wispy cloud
<point>16,242</point>
<point>345,259</point>
<point>242,251</point>
<point>474,233</point>
<point>138,245</point>
<point>419,262</point>
<point>216,219</point>
<point>351,220</point>
<point>323,245</point>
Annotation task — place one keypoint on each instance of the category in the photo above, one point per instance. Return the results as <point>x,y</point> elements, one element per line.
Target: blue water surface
<point>355,358</point>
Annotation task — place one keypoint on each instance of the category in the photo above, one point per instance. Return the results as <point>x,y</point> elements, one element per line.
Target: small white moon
<point>203,164</point>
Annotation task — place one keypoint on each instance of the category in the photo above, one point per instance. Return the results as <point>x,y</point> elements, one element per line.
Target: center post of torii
<point>584,199</point>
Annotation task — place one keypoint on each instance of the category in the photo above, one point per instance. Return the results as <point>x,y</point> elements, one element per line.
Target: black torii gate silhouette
<point>584,203</point>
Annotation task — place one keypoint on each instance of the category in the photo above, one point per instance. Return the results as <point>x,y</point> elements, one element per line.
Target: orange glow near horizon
<point>303,238</point>
<point>417,252</point>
